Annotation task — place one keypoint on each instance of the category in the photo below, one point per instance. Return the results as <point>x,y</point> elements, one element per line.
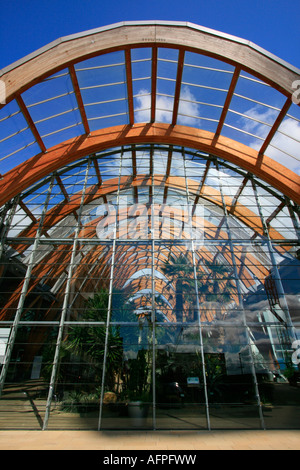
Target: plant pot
<point>137,411</point>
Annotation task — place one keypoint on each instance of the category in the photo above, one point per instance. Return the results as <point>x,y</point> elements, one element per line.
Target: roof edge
<point>194,26</point>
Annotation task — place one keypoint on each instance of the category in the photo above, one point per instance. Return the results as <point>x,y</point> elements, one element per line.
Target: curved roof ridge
<point>187,24</point>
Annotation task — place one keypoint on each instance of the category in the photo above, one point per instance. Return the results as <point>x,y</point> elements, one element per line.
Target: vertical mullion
<point>65,306</point>
<point>168,170</point>
<point>133,156</point>
<point>178,86</point>
<point>153,83</point>
<point>111,279</point>
<point>170,154</point>
<point>275,127</point>
<point>97,170</point>
<point>129,86</point>
<point>30,123</point>
<point>79,99</point>
<point>134,174</point>
<point>151,176</point>
<point>14,328</point>
<point>199,190</point>
<point>190,225</point>
<point>240,296</point>
<point>227,101</point>
<point>153,319</point>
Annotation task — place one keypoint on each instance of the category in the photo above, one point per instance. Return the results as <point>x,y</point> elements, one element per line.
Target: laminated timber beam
<point>39,166</point>
<point>69,50</point>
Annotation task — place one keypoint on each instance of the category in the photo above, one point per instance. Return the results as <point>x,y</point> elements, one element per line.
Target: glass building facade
<point>148,285</point>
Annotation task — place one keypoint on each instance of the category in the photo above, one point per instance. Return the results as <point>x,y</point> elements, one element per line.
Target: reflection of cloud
<point>164,107</point>
<point>286,141</point>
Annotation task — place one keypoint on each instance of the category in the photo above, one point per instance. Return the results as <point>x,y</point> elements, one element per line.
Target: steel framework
<point>139,178</point>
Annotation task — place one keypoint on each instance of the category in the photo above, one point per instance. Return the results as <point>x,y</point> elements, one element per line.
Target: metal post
<point>65,306</point>
<point>240,296</point>
<point>110,292</point>
<point>14,328</point>
<point>190,222</point>
<point>153,319</point>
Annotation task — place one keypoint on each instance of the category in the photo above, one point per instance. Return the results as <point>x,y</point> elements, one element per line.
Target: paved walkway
<point>153,441</point>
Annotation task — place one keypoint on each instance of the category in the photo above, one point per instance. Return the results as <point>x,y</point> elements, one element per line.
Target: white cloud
<point>164,107</point>
<point>187,108</point>
<point>259,128</point>
<point>286,141</point>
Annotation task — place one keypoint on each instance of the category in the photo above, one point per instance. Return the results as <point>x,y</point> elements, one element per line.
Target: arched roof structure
<point>134,146</point>
<point>192,84</point>
<point>185,41</point>
<point>169,86</point>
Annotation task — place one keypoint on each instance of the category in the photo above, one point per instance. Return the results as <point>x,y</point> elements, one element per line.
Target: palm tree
<point>214,282</point>
<point>179,270</point>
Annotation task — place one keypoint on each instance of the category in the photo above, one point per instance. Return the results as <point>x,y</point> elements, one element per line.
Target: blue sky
<point>27,25</point>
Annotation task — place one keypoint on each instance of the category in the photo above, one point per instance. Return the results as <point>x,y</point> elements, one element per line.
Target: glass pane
<point>224,297</point>
<point>180,387</point>
<point>24,396</point>
<point>128,391</point>
<point>78,383</point>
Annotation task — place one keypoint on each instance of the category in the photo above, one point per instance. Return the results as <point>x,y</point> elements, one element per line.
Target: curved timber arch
<point>71,49</point>
<point>40,166</point>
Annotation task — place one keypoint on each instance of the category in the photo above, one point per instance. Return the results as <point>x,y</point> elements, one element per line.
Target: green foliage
<point>215,370</point>
<point>89,342</point>
<point>80,402</point>
<point>179,270</point>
